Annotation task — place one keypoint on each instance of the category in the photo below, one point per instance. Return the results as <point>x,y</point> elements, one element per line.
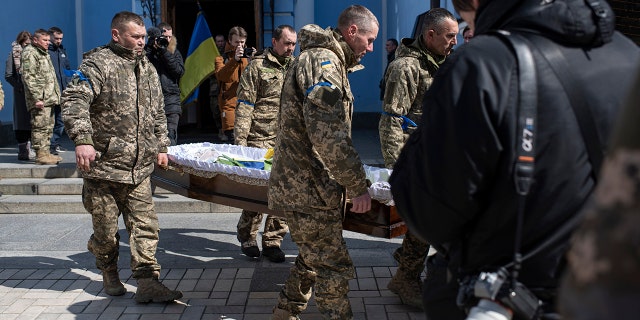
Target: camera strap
<point>526,112</point>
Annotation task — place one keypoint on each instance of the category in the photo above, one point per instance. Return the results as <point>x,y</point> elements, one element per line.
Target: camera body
<point>498,287</point>
<point>162,41</point>
<point>248,52</point>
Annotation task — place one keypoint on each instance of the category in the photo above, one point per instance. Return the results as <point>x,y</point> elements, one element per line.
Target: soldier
<point>113,110</point>
<point>42,93</point>
<point>255,126</point>
<point>408,78</point>
<point>316,163</point>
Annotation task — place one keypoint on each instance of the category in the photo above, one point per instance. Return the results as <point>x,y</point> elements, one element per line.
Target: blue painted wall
<point>86,25</point>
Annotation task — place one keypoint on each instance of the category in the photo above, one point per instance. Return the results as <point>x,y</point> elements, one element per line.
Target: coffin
<point>236,188</point>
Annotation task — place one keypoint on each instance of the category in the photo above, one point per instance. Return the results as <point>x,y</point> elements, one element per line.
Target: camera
<point>162,41</point>
<point>248,52</point>
<point>497,286</point>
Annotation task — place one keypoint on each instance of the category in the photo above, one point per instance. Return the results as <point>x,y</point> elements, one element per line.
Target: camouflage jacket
<point>259,101</point>
<point>39,78</point>
<point>407,79</point>
<point>315,159</point>
<point>115,103</point>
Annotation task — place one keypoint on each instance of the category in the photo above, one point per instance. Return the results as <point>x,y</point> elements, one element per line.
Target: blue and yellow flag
<point>201,60</point>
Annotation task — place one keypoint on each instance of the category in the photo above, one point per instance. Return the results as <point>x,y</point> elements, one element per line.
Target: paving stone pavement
<point>46,272</point>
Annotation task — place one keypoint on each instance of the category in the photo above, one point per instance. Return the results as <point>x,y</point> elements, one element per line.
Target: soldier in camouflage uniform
<point>407,79</point>
<point>42,93</point>
<point>113,110</point>
<point>604,261</point>
<point>316,166</point>
<point>255,126</point>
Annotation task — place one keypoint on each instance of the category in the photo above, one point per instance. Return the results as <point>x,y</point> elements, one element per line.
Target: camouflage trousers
<point>274,228</point>
<point>412,254</point>
<point>42,121</point>
<point>323,263</point>
<point>106,201</point>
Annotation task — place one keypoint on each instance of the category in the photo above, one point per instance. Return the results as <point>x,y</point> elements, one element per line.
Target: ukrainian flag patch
<point>325,64</point>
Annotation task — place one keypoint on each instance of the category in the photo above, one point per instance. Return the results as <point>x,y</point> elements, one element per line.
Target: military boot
<point>44,157</point>
<point>408,287</point>
<point>23,151</point>
<point>150,289</point>
<point>111,281</point>
<point>281,314</point>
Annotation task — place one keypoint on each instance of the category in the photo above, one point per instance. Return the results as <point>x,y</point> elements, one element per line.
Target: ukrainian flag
<point>200,63</point>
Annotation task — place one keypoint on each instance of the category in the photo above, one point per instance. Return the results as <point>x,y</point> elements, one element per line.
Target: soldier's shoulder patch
<point>326,64</point>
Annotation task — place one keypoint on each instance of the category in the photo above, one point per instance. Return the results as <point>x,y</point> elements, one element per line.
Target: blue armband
<point>406,122</point>
<point>246,102</point>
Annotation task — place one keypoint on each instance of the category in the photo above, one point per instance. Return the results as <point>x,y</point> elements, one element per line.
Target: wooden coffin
<point>381,221</point>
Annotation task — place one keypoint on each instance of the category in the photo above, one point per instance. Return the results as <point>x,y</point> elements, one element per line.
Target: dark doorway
<point>221,15</point>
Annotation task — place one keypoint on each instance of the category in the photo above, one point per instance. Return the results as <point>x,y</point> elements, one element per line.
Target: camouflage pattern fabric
<point>39,77</point>
<point>259,101</point>
<point>407,79</point>
<point>115,103</point>
<point>275,228</point>
<point>411,255</point>
<point>42,122</point>
<point>105,201</point>
<point>323,263</point>
<point>315,159</point>
<point>255,126</point>
<point>314,162</point>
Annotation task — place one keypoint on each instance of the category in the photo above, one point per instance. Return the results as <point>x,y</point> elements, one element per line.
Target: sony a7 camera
<point>497,286</point>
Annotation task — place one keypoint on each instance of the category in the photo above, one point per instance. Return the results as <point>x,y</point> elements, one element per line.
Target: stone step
<point>51,204</point>
<point>32,170</point>
<point>41,186</point>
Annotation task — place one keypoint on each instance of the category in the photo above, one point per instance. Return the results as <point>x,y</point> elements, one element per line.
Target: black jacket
<point>170,67</point>
<point>453,182</point>
<point>61,63</point>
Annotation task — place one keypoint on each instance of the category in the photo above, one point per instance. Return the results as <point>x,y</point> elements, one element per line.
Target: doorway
<point>221,15</point>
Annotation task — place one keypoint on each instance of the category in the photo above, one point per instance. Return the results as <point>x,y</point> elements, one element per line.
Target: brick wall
<point>627,18</point>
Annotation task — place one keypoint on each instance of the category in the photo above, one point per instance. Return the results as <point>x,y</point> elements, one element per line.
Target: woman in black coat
<point>21,116</point>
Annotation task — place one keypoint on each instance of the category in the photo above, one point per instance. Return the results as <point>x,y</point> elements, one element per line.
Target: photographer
<point>162,51</point>
<point>229,67</point>
<point>454,183</point>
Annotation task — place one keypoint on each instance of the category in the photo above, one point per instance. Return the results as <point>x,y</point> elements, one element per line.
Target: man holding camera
<point>228,70</point>
<point>163,53</point>
<point>462,181</point>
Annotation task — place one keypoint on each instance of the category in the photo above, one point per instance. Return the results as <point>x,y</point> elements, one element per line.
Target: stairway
<point>29,188</point>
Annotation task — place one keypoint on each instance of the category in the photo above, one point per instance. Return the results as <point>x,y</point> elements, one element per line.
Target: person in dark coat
<point>390,46</point>
<point>21,117</point>
<point>453,183</point>
<point>60,61</point>
<point>163,53</point>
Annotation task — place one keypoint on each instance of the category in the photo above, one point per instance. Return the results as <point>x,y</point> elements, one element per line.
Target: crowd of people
<point>495,148</point>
